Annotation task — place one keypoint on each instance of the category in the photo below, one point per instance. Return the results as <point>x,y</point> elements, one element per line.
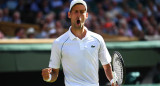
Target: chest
<point>77,50</point>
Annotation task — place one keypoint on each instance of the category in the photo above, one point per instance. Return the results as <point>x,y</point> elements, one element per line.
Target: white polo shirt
<point>79,58</point>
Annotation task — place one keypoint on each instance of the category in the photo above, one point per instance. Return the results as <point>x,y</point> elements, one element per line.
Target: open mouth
<point>78,21</point>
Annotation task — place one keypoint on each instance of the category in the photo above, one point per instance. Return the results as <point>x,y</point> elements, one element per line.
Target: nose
<point>78,14</point>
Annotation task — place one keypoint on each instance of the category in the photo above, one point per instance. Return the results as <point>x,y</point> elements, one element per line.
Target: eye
<point>76,11</point>
<point>82,11</point>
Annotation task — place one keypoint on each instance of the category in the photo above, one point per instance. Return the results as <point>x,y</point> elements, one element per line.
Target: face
<point>78,16</point>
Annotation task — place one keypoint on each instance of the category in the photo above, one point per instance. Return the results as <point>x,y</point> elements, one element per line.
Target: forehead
<point>78,7</point>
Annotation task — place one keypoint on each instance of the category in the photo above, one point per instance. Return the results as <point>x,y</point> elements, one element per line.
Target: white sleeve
<point>103,54</point>
<point>55,57</point>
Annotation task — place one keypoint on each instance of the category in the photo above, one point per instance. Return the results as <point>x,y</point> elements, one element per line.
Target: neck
<point>80,33</point>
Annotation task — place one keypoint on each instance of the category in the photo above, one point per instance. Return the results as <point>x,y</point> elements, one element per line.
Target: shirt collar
<point>72,36</point>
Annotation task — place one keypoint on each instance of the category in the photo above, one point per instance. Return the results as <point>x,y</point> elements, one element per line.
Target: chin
<point>78,27</point>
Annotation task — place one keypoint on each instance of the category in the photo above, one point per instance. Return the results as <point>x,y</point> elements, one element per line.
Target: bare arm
<point>52,71</point>
<point>108,71</point>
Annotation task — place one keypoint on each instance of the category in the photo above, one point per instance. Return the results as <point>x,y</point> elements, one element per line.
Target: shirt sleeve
<point>103,54</point>
<point>55,57</point>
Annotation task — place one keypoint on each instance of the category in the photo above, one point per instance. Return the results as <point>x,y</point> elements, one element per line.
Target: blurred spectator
<point>56,4</point>
<point>93,21</point>
<point>150,30</point>
<point>63,20</point>
<point>152,33</point>
<point>12,4</point>
<point>16,17</point>
<point>118,1</point>
<point>59,28</point>
<point>123,26</point>
<point>53,33</point>
<point>39,18</point>
<point>135,21</point>
<point>151,8</point>
<point>116,7</point>
<point>110,27</point>
<point>137,18</point>
<point>43,31</point>
<point>31,32</point>
<point>2,4</point>
<point>2,35</point>
<point>144,18</point>
<point>158,29</point>
<point>137,33</point>
<point>34,6</point>
<point>125,11</point>
<point>45,6</point>
<point>20,33</point>
<point>21,6</point>
<point>111,12</point>
<point>50,20</point>
<point>6,17</point>
<point>101,13</point>
<point>124,30</point>
<point>66,7</point>
<point>88,24</point>
<point>152,21</point>
<point>157,2</point>
<point>121,32</point>
<point>157,15</point>
<point>106,4</point>
<point>97,28</point>
<point>1,15</point>
<point>140,10</point>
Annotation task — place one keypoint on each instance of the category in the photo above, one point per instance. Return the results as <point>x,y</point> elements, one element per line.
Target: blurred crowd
<point>131,18</point>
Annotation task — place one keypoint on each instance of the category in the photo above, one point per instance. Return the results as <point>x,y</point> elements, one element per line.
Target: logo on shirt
<point>92,46</point>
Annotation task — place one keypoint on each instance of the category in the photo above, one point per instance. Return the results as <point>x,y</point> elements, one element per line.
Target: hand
<point>114,79</point>
<point>114,84</point>
<point>45,73</point>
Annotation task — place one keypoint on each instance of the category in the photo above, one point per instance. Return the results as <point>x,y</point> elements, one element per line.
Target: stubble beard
<point>78,26</point>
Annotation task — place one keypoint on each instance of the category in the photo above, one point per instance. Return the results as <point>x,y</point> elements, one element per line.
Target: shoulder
<point>61,39</point>
<point>96,35</point>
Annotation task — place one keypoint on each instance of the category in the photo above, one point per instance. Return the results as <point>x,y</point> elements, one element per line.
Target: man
<point>79,50</point>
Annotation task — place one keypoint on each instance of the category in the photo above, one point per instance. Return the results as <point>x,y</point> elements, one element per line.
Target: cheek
<point>84,18</point>
<point>73,20</point>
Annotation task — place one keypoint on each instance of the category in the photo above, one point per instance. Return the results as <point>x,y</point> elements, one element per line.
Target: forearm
<point>108,71</point>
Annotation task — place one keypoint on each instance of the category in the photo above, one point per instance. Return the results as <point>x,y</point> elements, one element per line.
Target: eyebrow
<point>79,10</point>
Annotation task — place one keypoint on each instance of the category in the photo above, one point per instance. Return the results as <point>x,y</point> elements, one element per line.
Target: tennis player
<point>79,51</point>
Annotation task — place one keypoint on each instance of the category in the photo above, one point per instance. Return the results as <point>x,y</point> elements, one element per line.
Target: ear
<point>69,15</point>
<point>87,15</point>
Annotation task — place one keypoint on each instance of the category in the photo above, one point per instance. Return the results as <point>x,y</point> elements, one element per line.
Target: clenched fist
<point>46,73</point>
<point>114,84</point>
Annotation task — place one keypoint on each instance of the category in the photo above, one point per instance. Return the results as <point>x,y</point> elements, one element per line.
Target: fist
<point>46,72</point>
<point>114,84</point>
